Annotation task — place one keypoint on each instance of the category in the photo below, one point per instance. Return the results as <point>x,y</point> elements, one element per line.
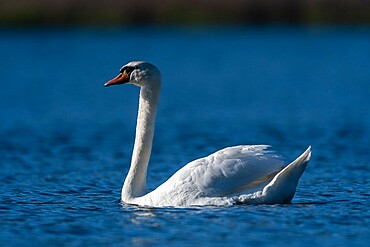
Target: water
<point>65,141</point>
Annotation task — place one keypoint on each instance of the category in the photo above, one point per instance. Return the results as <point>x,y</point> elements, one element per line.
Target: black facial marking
<point>128,69</point>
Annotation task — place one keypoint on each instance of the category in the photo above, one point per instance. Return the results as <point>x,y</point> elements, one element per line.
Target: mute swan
<point>249,174</point>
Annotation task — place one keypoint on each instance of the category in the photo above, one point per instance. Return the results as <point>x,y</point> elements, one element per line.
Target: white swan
<point>247,174</point>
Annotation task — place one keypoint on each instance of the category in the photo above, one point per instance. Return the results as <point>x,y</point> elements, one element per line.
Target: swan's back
<point>225,173</point>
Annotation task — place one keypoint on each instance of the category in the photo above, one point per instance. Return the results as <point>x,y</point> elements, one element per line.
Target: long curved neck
<point>135,182</point>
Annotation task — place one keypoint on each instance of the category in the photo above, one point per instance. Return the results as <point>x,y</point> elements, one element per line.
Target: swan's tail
<point>283,186</point>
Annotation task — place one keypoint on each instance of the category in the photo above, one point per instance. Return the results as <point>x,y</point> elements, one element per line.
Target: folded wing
<point>230,171</point>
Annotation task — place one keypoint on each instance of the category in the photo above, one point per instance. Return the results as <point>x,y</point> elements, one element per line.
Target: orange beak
<point>122,78</point>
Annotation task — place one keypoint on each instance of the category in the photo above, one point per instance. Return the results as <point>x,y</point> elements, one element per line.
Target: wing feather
<point>227,172</point>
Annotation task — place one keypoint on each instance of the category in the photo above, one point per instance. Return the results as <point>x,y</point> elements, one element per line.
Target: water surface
<point>66,142</point>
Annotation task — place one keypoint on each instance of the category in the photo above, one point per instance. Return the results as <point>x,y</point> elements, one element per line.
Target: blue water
<point>66,142</point>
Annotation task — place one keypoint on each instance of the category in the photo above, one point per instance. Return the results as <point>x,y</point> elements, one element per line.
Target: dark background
<point>141,12</point>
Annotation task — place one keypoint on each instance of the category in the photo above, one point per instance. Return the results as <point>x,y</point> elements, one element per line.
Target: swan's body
<point>247,174</point>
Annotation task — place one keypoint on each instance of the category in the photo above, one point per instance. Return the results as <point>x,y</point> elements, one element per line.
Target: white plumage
<point>250,174</point>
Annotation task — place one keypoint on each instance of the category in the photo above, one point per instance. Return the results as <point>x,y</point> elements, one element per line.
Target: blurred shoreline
<point>186,12</point>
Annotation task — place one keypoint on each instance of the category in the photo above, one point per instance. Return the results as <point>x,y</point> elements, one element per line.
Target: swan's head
<point>139,73</point>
